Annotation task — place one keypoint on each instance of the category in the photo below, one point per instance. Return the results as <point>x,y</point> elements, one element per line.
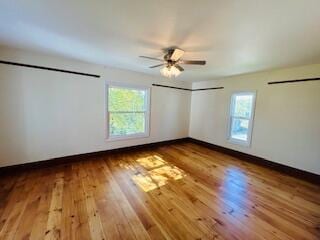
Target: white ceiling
<point>234,36</point>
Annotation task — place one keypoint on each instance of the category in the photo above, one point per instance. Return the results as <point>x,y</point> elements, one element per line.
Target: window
<point>128,112</point>
<point>241,117</point>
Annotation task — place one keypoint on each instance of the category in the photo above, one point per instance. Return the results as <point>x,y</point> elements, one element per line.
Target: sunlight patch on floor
<point>151,162</point>
<point>158,173</point>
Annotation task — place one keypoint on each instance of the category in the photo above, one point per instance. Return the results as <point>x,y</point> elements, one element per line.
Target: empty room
<point>148,119</point>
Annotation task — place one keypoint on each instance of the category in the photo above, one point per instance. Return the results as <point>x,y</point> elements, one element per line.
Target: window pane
<point>239,129</point>
<point>122,99</point>
<point>242,106</point>
<point>126,123</point>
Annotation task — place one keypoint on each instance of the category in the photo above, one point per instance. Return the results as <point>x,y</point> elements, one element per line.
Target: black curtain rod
<point>159,85</point>
<point>187,89</point>
<point>294,81</point>
<point>203,89</point>
<point>49,69</point>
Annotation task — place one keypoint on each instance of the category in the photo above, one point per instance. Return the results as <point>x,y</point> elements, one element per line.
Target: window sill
<point>239,142</point>
<point>127,137</point>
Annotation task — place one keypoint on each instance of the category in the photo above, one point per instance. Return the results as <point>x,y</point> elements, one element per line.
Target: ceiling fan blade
<point>159,65</point>
<point>177,54</point>
<point>152,58</point>
<point>196,62</point>
<point>179,67</point>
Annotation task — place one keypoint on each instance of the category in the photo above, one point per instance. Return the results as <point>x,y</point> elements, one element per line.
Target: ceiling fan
<point>171,62</point>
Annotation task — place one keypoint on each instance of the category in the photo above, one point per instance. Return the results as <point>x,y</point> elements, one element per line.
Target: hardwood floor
<point>180,191</point>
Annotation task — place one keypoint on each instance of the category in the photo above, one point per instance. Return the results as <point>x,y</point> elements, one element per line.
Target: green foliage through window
<point>127,111</point>
<point>242,106</point>
<point>126,100</point>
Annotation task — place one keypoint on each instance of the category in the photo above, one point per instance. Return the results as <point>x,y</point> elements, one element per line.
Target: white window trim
<point>250,128</point>
<point>147,112</point>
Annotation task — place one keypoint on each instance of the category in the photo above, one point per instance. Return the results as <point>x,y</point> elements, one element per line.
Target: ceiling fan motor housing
<point>171,61</point>
<point>168,55</point>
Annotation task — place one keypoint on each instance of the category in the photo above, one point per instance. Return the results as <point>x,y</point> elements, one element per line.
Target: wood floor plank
<point>159,211</point>
<point>33,201</point>
<point>16,206</point>
<point>234,199</point>
<point>41,218</point>
<point>55,212</point>
<point>138,202</point>
<point>177,191</point>
<point>135,223</point>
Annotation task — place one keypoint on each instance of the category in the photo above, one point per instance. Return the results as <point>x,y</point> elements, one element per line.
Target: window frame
<point>146,132</point>
<point>231,116</point>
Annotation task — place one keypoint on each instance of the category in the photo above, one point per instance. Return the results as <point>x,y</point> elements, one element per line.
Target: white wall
<point>287,117</point>
<point>47,114</point>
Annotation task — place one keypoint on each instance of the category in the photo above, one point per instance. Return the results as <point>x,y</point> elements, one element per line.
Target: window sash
<point>134,88</point>
<point>244,118</point>
<point>232,130</point>
<point>145,111</point>
<point>234,101</point>
<point>120,112</point>
<point>233,116</point>
<point>138,133</point>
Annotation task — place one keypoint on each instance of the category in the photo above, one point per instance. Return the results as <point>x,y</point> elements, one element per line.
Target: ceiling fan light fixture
<point>170,71</point>
<point>172,62</point>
